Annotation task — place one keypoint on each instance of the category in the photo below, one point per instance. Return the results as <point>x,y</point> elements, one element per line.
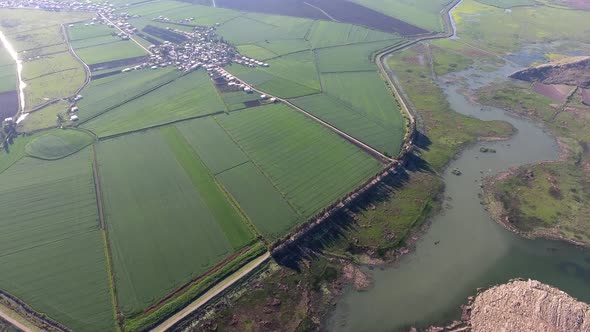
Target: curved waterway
<point>19,69</point>
<point>464,248</point>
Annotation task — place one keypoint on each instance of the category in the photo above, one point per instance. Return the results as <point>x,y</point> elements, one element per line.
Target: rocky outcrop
<point>573,71</point>
<point>523,306</point>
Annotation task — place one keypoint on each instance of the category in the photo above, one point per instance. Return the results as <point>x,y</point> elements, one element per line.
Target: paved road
<point>212,293</point>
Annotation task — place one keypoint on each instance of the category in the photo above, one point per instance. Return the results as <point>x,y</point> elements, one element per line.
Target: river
<point>464,249</point>
<point>19,69</point>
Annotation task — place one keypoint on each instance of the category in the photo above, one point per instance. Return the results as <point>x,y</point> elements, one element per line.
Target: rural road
<point>212,293</point>
<point>4,314</point>
<point>130,37</point>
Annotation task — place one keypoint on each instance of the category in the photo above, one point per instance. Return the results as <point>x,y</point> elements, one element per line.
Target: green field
<point>80,31</point>
<point>58,143</point>
<point>285,46</point>
<point>356,57</point>
<point>175,204</point>
<point>214,147</point>
<point>14,153</point>
<point>272,84</point>
<point>43,118</point>
<point>326,34</point>
<point>109,92</point>
<point>282,141</point>
<point>422,13</point>
<point>52,253</point>
<point>256,52</point>
<point>117,50</point>
<point>188,96</point>
<point>356,122</point>
<point>263,27</point>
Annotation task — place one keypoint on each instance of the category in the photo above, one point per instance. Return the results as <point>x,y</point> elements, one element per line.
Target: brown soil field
<point>586,96</point>
<point>8,104</point>
<point>556,92</point>
<point>341,10</point>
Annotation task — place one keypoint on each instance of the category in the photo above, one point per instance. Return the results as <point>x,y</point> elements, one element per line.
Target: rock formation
<point>527,306</point>
<point>573,71</point>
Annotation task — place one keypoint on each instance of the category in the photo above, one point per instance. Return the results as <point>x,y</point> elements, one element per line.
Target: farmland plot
<point>52,251</point>
<point>245,30</point>
<point>326,33</point>
<point>212,144</point>
<point>309,164</point>
<point>366,91</point>
<point>355,122</point>
<point>172,234</point>
<point>285,46</point>
<point>264,205</point>
<point>356,57</point>
<point>256,52</point>
<point>81,32</point>
<point>270,83</point>
<point>188,96</point>
<point>109,92</point>
<point>7,71</point>
<point>117,50</point>
<point>58,143</point>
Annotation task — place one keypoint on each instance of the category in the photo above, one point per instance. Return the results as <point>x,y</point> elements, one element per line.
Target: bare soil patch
<point>556,92</point>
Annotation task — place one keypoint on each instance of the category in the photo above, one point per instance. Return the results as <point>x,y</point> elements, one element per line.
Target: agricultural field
<point>240,177</point>
<point>102,95</point>
<point>325,34</point>
<point>274,138</point>
<point>176,202</point>
<point>117,50</point>
<point>44,118</point>
<point>356,57</point>
<point>58,143</point>
<point>53,72</point>
<point>188,96</point>
<point>422,13</point>
<point>49,208</point>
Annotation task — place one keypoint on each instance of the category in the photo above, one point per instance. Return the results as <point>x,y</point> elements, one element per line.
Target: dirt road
<point>212,293</point>
<point>8,315</point>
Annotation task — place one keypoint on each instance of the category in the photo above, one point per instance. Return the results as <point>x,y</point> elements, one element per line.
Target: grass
<point>58,143</point>
<point>212,144</point>
<point>49,64</point>
<point>233,224</point>
<point>541,24</point>
<point>255,51</point>
<point>366,91</point>
<point>326,33</point>
<point>44,118</point>
<point>164,311</point>
<point>14,152</point>
<point>435,111</point>
<point>356,57</point>
<point>357,123</point>
<point>81,32</point>
<point>285,46</point>
<point>109,92</point>
<point>52,253</point>
<point>282,142</point>
<point>508,3</point>
<point>422,13</point>
<point>249,29</point>
<point>287,76</point>
<point>260,200</point>
<point>554,200</point>
<point>118,50</point>
<point>237,100</point>
<point>188,96</point>
<point>60,84</point>
<point>168,209</point>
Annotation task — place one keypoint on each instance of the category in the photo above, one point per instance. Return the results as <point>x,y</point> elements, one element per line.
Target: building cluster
<point>57,5</point>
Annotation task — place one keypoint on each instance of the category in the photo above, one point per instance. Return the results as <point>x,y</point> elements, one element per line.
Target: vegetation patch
<point>175,203</point>
<point>58,143</point>
<point>52,253</point>
<point>283,143</point>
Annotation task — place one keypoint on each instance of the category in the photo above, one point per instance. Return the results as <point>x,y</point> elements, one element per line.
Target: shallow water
<point>429,285</point>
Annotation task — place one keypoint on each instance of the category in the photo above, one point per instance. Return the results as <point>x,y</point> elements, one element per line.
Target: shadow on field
<point>340,227</point>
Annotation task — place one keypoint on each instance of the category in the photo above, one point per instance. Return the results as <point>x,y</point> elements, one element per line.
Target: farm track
<point>212,293</point>
<point>14,322</point>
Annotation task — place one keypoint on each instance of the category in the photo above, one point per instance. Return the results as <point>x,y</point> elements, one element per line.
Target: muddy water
<point>464,249</point>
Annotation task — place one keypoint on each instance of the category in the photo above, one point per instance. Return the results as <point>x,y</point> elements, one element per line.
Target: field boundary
<point>13,303</point>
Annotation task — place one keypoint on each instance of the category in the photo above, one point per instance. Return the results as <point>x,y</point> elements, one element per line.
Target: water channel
<point>464,249</point>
